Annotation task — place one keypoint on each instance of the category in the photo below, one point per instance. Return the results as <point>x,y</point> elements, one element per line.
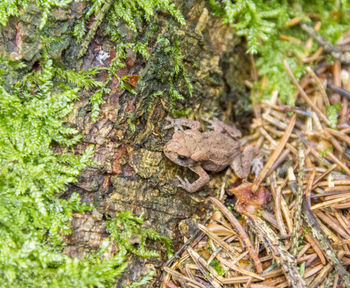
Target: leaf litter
<point>291,225</point>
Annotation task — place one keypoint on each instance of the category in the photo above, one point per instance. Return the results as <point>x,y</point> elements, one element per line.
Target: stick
<point>303,94</point>
<point>275,154</point>
<point>279,253</point>
<point>241,233</point>
<point>298,202</point>
<point>326,246</point>
<point>334,51</point>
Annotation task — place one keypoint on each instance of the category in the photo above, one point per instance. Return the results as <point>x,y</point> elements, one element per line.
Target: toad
<point>212,150</point>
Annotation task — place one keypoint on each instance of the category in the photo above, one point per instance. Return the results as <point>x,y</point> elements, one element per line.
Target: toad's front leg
<point>179,122</point>
<point>251,157</point>
<point>196,185</point>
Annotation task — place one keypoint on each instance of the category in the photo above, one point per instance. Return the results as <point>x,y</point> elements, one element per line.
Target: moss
<point>168,75</point>
<point>126,227</point>
<point>217,266</point>
<point>33,105</point>
<point>263,22</point>
<point>16,8</point>
<point>172,74</point>
<point>32,220</point>
<point>332,114</point>
<point>133,14</point>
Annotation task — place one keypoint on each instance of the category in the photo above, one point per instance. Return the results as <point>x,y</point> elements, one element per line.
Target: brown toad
<point>209,151</point>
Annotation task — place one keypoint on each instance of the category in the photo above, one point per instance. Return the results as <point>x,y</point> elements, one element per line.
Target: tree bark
<point>132,172</point>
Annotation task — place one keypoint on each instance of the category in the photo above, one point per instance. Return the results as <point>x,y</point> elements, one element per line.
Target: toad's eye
<point>183,158</point>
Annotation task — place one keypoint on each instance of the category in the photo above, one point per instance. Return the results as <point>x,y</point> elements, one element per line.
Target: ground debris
<point>301,237</point>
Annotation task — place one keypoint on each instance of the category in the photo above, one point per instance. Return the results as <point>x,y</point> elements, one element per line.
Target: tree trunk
<point>132,172</point>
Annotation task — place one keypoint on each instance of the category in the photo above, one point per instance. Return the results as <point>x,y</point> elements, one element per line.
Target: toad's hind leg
<point>249,158</point>
<point>196,185</point>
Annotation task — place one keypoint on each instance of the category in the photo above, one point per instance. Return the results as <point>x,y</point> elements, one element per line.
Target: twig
<point>313,57</point>
<point>298,201</point>
<point>334,51</point>
<point>170,284</point>
<point>313,270</point>
<point>316,246</point>
<point>338,134</point>
<point>183,248</point>
<point>312,149</point>
<point>318,179</point>
<point>303,250</point>
<point>216,239</point>
<point>93,28</point>
<point>325,244</point>
<point>327,203</point>
<point>338,162</point>
<point>275,154</point>
<point>238,269</point>
<point>341,91</point>
<point>342,220</point>
<point>237,280</point>
<point>199,262</point>
<point>180,276</point>
<point>278,162</point>
<point>241,233</point>
<point>303,94</point>
<point>276,193</point>
<point>274,247</point>
<point>248,284</point>
<point>333,224</point>
<point>319,85</point>
<point>309,186</point>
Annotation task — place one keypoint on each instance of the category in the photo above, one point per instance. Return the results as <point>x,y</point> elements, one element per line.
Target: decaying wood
<point>132,172</point>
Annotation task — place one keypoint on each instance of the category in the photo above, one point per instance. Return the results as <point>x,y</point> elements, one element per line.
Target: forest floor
<point>290,226</point>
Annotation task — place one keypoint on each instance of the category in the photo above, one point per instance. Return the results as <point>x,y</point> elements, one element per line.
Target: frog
<point>209,151</point>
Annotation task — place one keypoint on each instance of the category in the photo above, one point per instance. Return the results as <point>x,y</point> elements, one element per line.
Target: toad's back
<point>220,150</point>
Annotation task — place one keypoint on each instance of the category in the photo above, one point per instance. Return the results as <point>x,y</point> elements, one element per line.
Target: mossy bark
<point>132,172</point>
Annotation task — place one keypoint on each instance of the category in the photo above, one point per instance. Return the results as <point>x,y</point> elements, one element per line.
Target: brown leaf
<point>132,80</point>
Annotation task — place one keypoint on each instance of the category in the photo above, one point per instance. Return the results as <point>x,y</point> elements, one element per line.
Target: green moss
<point>133,14</point>
<point>112,15</point>
<point>269,64</point>
<point>173,75</point>
<point>32,219</point>
<point>10,8</point>
<point>332,114</point>
<point>217,266</point>
<point>33,105</point>
<point>126,228</point>
<point>263,22</point>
